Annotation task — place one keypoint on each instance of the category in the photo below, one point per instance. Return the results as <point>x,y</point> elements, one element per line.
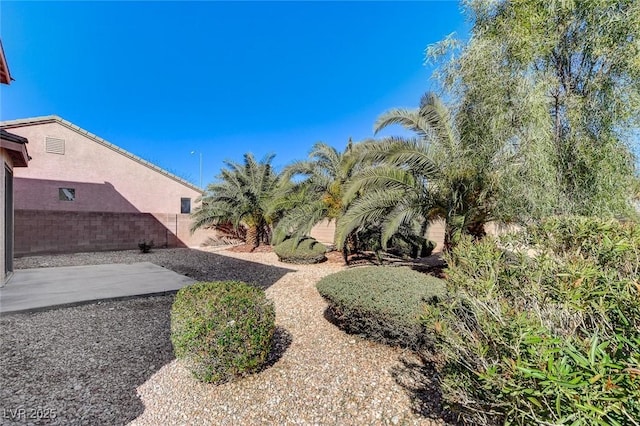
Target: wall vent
<point>54,145</point>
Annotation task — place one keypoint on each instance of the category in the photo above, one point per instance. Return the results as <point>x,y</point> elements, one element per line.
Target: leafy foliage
<point>608,243</point>
<point>222,330</point>
<point>412,247</point>
<point>558,84</point>
<point>552,338</point>
<point>405,243</point>
<point>243,196</point>
<point>381,303</point>
<point>301,251</point>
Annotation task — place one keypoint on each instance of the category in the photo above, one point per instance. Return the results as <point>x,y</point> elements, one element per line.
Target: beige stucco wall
<point>5,161</point>
<point>324,232</point>
<point>435,233</point>
<point>104,179</point>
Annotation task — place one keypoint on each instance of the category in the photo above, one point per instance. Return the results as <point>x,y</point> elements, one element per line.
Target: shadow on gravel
<point>82,365</point>
<point>330,316</point>
<point>418,376</point>
<point>282,339</point>
<point>196,264</point>
<point>215,267</point>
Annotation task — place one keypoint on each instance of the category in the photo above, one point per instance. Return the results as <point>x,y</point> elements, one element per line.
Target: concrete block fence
<point>40,231</point>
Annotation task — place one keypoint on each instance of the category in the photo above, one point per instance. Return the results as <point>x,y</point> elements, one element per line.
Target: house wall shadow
<point>88,366</point>
<point>44,194</point>
<point>98,219</point>
<point>207,266</point>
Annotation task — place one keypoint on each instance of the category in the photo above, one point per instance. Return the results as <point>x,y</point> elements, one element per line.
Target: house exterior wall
<point>104,179</point>
<point>6,162</point>
<point>109,185</point>
<point>324,232</point>
<point>435,233</point>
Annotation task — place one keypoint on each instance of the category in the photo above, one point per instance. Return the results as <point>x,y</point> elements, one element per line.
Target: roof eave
<point>17,152</point>
<point>33,121</point>
<point>5,74</point>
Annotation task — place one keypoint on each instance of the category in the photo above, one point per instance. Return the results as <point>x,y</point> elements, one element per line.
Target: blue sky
<point>163,79</point>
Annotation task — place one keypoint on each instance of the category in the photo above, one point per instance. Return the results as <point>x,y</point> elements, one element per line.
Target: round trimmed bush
<point>304,251</point>
<point>222,330</point>
<point>382,303</point>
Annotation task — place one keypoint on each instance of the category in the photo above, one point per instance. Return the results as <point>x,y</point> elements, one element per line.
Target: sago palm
<point>412,181</point>
<point>243,196</point>
<point>319,189</point>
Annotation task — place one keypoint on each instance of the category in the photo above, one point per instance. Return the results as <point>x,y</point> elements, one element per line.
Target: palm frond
<point>407,118</point>
<point>398,217</point>
<point>372,207</point>
<point>379,177</point>
<point>438,120</point>
<point>299,221</point>
<point>241,195</point>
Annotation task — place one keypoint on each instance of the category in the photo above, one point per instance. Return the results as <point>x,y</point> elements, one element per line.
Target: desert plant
<point>610,243</point>
<point>552,338</point>
<point>427,247</point>
<point>440,173</point>
<point>144,246</point>
<point>411,246</point>
<point>301,251</point>
<point>243,197</point>
<point>321,179</point>
<point>405,243</point>
<point>222,330</point>
<point>381,303</point>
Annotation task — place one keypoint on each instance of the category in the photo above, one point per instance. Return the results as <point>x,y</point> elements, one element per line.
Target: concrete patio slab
<point>39,288</point>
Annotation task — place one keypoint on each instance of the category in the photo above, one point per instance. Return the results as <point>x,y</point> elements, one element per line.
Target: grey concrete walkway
<point>33,289</point>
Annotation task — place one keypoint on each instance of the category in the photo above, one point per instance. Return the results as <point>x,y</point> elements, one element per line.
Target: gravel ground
<point>112,362</point>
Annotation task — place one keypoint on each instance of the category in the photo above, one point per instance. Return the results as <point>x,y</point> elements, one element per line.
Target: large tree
<point>243,197</point>
<point>559,83</point>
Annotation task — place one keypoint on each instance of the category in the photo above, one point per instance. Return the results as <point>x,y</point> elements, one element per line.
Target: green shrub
<point>405,244</point>
<point>548,339</point>
<point>411,248</point>
<point>381,303</point>
<point>145,247</point>
<point>608,242</point>
<point>222,330</point>
<point>427,248</point>
<point>303,251</point>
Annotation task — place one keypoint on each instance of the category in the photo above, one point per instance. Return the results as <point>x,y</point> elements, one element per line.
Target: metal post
<point>199,152</point>
<point>200,170</point>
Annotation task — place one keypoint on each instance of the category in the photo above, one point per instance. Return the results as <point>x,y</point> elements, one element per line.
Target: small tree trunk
<point>352,242</point>
<point>448,237</point>
<point>345,254</point>
<point>252,236</point>
<point>476,230</point>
